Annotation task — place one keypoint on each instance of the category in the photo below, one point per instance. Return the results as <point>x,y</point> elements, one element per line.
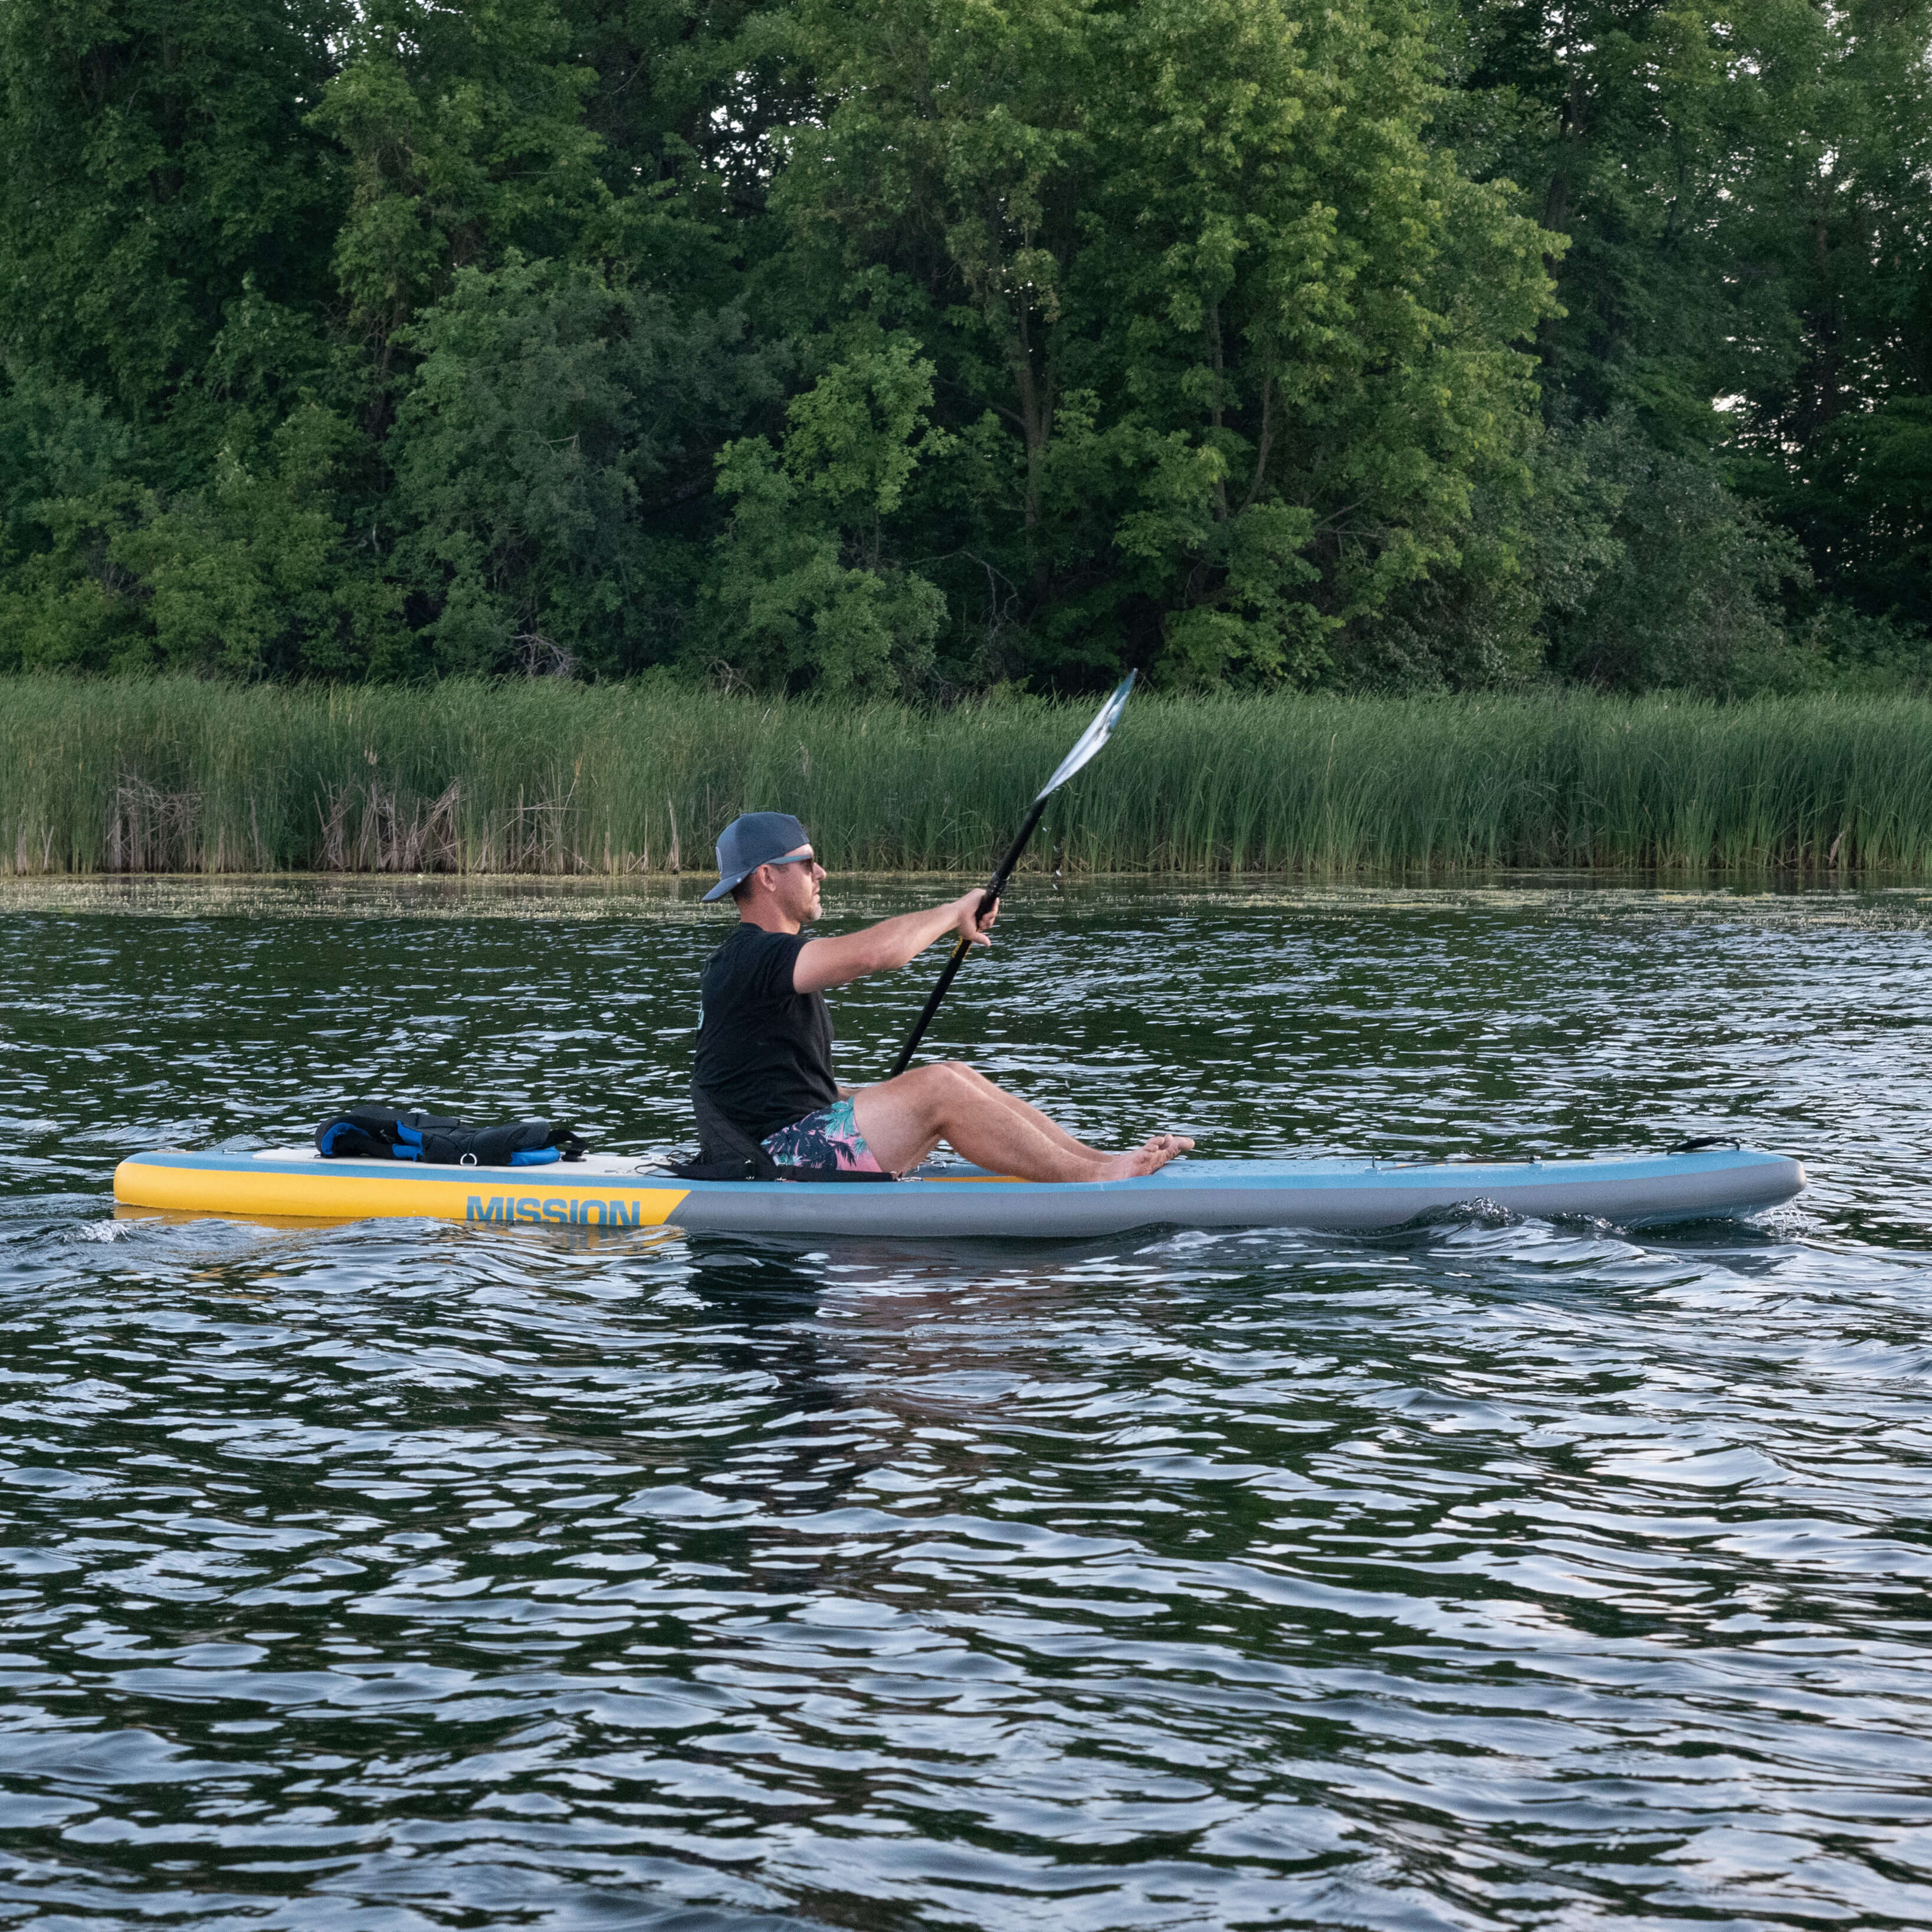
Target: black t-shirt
<point>764,1052</point>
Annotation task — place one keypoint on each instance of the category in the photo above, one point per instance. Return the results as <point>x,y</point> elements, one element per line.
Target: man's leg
<point>1174,1144</point>
<point>903,1119</point>
<point>1052,1128</point>
<point>1060,1137</point>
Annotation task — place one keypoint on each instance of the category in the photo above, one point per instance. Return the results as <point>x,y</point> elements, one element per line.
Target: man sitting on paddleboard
<point>764,1039</point>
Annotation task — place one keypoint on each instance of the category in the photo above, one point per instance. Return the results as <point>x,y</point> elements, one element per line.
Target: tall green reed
<point>180,775</point>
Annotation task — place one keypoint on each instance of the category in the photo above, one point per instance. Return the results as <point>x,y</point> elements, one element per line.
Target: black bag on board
<point>372,1132</point>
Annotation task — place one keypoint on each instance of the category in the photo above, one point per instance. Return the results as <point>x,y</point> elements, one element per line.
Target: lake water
<point>1489,1574</point>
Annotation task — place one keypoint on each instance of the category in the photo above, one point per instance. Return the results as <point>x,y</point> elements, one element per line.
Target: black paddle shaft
<point>1086,748</point>
<point>989,898</point>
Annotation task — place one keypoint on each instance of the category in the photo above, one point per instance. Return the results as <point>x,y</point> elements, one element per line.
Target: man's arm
<point>889,945</point>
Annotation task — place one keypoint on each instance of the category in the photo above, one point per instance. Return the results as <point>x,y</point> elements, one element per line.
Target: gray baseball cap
<point>752,840</point>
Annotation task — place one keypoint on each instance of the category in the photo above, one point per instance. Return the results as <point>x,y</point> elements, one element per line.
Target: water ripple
<point>1486,1574</point>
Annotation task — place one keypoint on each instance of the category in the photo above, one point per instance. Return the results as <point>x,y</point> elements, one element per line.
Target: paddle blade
<point>1095,735</point>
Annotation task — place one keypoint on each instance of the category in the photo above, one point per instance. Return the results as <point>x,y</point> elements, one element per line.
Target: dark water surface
<point>1491,1573</point>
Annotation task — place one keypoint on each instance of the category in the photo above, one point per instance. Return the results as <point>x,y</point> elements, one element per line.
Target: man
<point>764,1041</point>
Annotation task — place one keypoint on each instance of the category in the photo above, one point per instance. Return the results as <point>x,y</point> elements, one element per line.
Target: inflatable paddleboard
<point>613,1191</point>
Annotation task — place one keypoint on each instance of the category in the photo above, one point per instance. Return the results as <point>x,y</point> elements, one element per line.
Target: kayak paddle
<point>1095,735</point>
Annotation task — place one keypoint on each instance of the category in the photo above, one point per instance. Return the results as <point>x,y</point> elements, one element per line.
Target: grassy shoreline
<point>177,775</point>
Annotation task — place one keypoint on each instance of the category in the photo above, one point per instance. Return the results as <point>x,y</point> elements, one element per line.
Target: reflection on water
<point>1493,1573</point>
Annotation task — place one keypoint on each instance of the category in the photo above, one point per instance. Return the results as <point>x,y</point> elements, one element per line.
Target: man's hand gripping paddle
<point>1095,735</point>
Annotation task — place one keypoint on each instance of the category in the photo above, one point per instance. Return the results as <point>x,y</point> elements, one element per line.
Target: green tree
<point>1202,335</point>
<point>65,494</point>
<point>1742,191</point>
<point>1830,423</point>
<point>806,594</point>
<point>166,214</point>
<point>1687,591</point>
<point>463,129</point>
<point>554,336</point>
<point>254,574</point>
<point>546,455</point>
<point>1249,342</point>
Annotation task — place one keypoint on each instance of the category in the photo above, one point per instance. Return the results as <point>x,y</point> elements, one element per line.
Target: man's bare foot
<point>1152,1155</point>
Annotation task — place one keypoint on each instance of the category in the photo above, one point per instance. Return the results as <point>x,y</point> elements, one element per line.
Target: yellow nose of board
<point>219,1184</point>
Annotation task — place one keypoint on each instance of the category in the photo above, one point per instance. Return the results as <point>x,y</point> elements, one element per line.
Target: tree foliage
<point>912,346</point>
<point>1743,193</point>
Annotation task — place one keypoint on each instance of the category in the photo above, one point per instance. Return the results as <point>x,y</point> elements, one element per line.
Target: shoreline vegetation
<point>544,777</point>
<point>906,348</point>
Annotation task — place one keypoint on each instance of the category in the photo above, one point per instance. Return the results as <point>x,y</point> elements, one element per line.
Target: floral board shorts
<point>829,1137</point>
